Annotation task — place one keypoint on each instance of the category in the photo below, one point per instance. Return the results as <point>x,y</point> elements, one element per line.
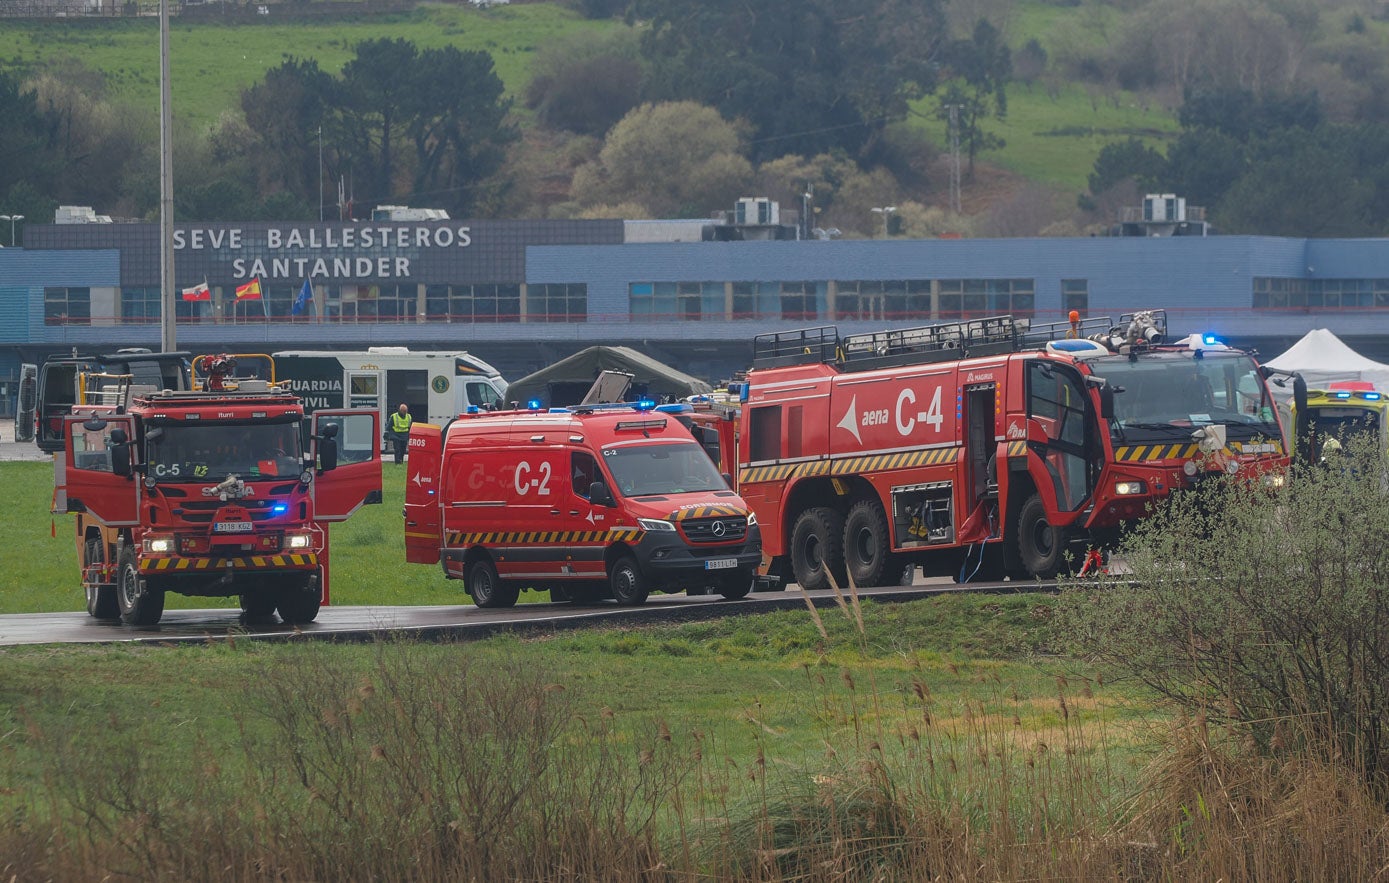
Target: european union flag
<point>305,295</point>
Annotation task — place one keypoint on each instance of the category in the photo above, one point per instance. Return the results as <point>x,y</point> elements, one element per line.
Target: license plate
<point>232,527</point>
<point>720,563</point>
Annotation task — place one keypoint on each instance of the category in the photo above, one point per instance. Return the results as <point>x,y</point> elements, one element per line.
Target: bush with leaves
<point>1262,609</point>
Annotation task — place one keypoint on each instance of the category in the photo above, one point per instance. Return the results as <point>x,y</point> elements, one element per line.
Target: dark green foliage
<point>1127,159</point>
<point>1243,115</point>
<point>985,64</point>
<point>809,77</point>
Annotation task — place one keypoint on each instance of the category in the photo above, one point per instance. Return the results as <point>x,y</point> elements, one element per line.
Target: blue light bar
<point>681,408</point>
<point>1209,339</point>
<point>533,404</point>
<point>279,509</point>
<point>1372,396</point>
<point>472,409</point>
<point>645,405</point>
<point>1342,395</point>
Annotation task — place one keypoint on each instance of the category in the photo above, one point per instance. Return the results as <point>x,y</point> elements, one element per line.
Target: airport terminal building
<point>523,294</point>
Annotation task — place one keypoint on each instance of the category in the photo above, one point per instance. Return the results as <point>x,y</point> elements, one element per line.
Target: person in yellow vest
<point>400,431</point>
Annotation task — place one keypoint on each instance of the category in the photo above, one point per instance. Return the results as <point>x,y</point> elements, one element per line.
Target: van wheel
<point>735,586</point>
<point>868,548</point>
<point>101,597</point>
<point>626,582</point>
<point>817,543</point>
<point>1041,546</point>
<point>487,587</point>
<point>139,601</point>
<point>299,601</point>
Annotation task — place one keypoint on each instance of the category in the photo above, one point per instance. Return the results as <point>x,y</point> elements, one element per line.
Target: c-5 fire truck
<point>986,448</point>
<point>210,491</point>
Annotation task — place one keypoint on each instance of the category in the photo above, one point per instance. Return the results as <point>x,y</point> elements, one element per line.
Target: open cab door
<point>94,475</point>
<point>348,462</point>
<point>423,537</point>
<point>28,403</point>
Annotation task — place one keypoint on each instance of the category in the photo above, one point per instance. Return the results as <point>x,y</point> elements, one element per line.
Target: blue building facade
<point>522,294</point>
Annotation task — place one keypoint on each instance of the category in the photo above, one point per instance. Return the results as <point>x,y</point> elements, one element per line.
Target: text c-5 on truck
<point>212,491</point>
<point>587,503</point>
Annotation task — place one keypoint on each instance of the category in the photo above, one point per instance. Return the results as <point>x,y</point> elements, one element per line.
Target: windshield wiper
<point>1185,430</point>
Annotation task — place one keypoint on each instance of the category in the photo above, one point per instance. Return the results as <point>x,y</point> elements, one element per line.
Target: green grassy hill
<point>1052,134</point>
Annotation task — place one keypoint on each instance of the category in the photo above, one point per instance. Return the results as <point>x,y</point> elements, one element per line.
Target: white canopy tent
<point>1321,358</point>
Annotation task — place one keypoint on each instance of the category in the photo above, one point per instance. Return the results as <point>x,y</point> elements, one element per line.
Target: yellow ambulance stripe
<point>852,465</point>
<point>544,537</point>
<point>164,565</point>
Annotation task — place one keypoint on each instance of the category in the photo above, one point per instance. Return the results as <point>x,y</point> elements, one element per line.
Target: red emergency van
<point>585,503</point>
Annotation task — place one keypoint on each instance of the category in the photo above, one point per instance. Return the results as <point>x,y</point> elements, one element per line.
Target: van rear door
<point>423,532</point>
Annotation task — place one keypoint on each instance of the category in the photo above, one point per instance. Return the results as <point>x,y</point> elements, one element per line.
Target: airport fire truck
<point>990,447</point>
<point>216,490</point>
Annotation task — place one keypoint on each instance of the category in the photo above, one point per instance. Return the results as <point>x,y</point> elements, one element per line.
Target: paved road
<point>460,621</point>
<point>12,450</point>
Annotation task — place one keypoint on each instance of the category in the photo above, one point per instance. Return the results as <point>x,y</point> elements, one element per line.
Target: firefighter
<point>400,431</point>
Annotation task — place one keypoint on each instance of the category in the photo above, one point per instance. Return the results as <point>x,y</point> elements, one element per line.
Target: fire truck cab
<point>214,491</point>
<point>985,448</point>
<point>590,502</point>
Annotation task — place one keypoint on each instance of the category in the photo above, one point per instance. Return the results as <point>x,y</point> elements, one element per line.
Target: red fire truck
<point>595,501</point>
<point>211,491</point>
<point>986,448</point>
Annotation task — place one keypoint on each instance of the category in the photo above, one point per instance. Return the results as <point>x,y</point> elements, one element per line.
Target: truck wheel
<point>817,542</point>
<point>735,586</point>
<point>299,601</point>
<point>1041,546</point>
<point>101,597</point>
<point>257,604</point>
<point>140,603</point>
<point>868,547</point>
<point>627,584</point>
<point>487,587</point>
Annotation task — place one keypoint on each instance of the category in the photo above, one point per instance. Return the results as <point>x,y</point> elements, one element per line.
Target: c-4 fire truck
<point>986,448</point>
<point>210,491</point>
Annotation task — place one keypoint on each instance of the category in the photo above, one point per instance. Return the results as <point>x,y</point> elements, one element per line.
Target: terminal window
<point>67,306</point>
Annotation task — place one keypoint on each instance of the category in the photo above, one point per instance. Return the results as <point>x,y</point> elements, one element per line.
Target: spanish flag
<point>249,291</point>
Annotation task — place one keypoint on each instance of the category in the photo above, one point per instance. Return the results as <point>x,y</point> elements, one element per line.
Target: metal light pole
<point>167,304</point>
<point>11,219</point>
<point>885,211</point>
<point>320,174</point>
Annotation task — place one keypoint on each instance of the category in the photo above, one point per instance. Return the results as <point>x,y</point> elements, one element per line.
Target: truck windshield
<point>679,468</point>
<point>202,451</point>
<point>1166,395</point>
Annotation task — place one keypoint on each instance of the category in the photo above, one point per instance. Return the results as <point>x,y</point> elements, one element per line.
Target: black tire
<point>257,604</point>
<point>1041,546</point>
<point>299,600</point>
<point>868,554</point>
<point>817,541</point>
<point>488,589</point>
<point>141,602</point>
<point>626,582</point>
<point>101,597</point>
<point>736,586</point>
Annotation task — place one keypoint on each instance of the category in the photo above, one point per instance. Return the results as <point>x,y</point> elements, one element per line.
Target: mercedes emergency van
<point>589,503</point>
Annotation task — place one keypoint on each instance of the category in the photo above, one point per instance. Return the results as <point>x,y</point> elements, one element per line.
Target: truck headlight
<point>1274,479</point>
<point>298,541</point>
<point>1130,488</point>
<point>158,544</point>
<point>655,524</point>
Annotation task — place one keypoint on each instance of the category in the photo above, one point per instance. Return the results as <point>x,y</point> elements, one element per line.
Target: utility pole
<point>320,173</point>
<point>955,157</point>
<point>168,318</point>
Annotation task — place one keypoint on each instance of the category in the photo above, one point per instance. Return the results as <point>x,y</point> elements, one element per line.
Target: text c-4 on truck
<point>607,501</point>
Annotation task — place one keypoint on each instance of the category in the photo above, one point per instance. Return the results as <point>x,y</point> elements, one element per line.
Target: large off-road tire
<point>736,585</point>
<point>817,543</point>
<point>299,600</point>
<point>141,602</point>
<point>488,589</point>
<point>257,604</point>
<point>626,582</point>
<point>868,554</point>
<point>1041,546</point>
<point>101,597</point>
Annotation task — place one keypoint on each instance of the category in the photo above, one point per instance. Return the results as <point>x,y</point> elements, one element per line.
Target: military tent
<point>566,381</point>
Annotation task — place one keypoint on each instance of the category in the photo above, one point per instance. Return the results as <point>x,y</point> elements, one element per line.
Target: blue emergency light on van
<point>1371,396</point>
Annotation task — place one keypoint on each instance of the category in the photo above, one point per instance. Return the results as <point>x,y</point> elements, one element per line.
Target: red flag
<point>249,291</point>
<point>197,292</point>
